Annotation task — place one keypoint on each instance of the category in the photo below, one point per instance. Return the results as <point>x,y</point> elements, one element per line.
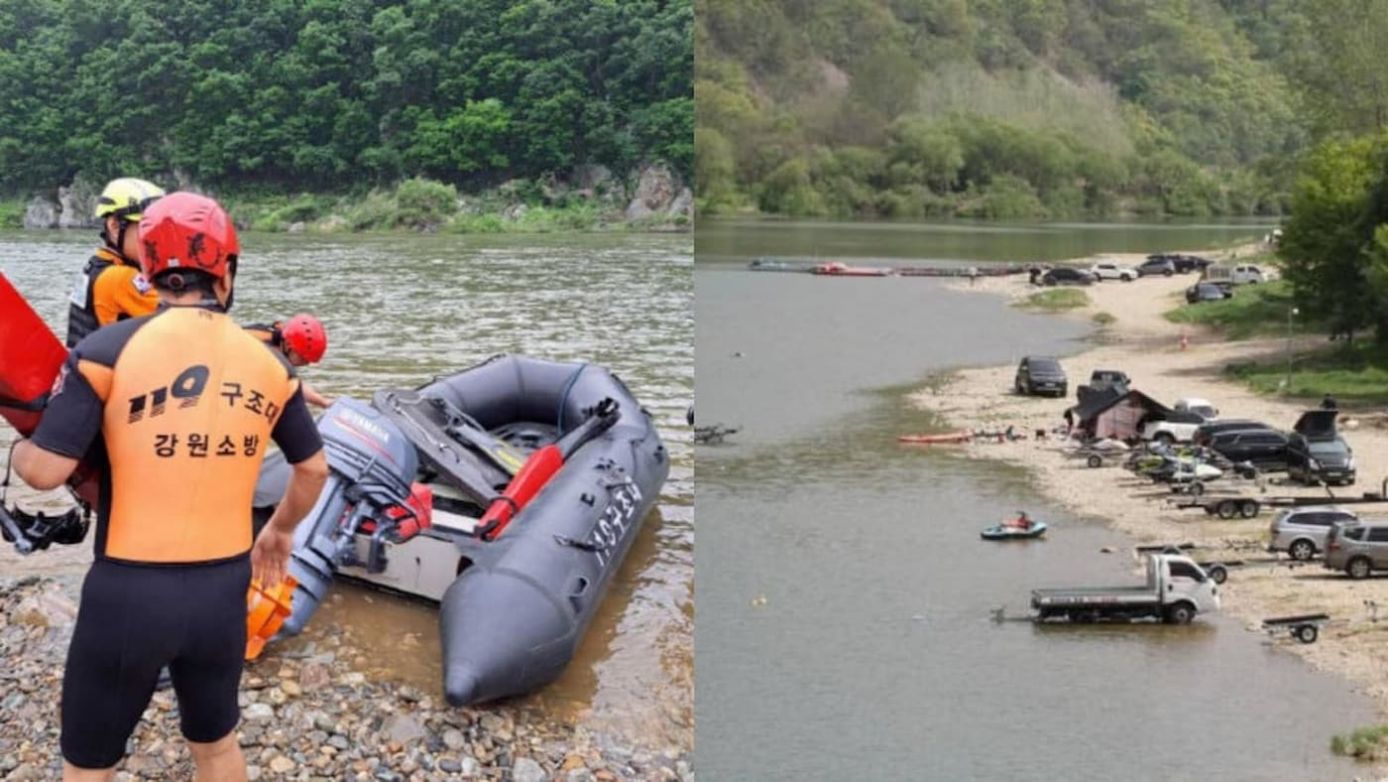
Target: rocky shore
<point>306,715</point>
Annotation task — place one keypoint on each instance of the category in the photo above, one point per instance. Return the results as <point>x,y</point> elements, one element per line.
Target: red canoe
<point>927,439</point>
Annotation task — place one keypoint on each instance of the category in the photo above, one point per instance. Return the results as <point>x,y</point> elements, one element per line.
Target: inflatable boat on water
<point>509,493</point>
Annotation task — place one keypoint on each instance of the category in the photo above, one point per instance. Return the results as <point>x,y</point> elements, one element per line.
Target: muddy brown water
<point>401,309</point>
<point>846,602</point>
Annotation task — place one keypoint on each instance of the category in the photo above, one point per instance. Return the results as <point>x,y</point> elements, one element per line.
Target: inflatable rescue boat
<point>509,493</point>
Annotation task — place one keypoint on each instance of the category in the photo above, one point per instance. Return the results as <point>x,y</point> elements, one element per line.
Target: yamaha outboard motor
<point>372,466</point>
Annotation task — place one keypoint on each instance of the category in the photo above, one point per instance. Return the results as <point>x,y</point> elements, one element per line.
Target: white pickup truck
<point>1176,590</point>
<point>1187,416</point>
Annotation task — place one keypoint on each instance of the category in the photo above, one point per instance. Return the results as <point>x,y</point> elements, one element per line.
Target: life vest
<point>185,429</point>
<point>109,288</point>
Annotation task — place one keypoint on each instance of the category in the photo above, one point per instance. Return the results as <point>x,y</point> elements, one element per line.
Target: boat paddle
<point>464,427</point>
<point>542,465</point>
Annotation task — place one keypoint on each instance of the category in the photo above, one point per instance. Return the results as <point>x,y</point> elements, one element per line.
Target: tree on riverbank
<point>1335,245</point>
<point>288,95</point>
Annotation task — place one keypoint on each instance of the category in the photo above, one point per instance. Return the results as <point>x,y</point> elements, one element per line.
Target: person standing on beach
<point>181,406</point>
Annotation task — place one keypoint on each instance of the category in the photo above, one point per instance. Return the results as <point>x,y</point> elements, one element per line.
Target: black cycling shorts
<point>133,621</point>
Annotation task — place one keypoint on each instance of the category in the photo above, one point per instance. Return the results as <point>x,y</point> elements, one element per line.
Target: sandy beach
<point>1148,347</point>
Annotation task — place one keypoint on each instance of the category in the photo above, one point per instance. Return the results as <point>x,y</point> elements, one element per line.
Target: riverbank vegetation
<point>1254,311</point>
<point>1363,744</point>
<point>1057,300</point>
<point>911,108</point>
<point>350,99</point>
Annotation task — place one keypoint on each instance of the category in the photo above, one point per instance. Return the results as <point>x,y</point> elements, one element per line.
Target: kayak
<point>928,439</point>
<point>30,356</point>
<point>30,360</point>
<point>836,269</point>
<point>1003,532</point>
<point>538,475</point>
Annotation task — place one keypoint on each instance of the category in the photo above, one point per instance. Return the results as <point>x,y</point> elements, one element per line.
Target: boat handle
<point>580,586</point>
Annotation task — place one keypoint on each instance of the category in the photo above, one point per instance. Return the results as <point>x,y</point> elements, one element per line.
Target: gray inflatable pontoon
<point>514,600</point>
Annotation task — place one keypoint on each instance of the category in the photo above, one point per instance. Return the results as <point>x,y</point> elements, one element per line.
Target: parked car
<point>1316,453</point>
<point>1182,263</point>
<point>1041,375</point>
<point>1100,379</point>
<point>1188,415</point>
<point>1358,548</point>
<point>1194,404</point>
<point>1302,531</point>
<point>1263,448</point>
<point>1151,266</point>
<point>1112,271</point>
<point>1206,432</point>
<point>1189,263</point>
<point>1207,291</point>
<point>1247,274</point>
<point>1067,275</point>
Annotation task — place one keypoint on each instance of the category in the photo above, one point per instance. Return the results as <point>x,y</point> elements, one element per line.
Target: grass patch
<point>1254,311</point>
<point>12,213</point>
<point>1363,744</point>
<point>1352,373</point>
<point>1104,319</point>
<point>1057,300</point>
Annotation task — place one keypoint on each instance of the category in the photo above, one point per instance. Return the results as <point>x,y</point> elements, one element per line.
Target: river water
<point>403,308</point>
<point>845,626</point>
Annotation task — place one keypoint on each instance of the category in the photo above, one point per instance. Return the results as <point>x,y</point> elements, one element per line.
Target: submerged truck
<point>1176,590</point>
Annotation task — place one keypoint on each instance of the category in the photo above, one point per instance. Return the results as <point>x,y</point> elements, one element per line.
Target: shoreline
<point>1148,347</point>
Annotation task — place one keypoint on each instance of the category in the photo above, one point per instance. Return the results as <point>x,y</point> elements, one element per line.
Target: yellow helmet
<point>126,198</point>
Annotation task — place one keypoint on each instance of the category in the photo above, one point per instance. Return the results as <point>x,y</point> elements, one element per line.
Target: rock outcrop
<point>655,192</point>
<point>41,213</point>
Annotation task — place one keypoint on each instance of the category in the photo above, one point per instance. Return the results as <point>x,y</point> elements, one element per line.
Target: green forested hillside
<point>282,95</point>
<point>1006,108</point>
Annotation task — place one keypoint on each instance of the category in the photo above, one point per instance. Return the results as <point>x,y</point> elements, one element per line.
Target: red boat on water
<point>838,269</point>
<point>936,439</point>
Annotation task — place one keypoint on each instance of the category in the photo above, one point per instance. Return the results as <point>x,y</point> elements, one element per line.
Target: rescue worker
<point>110,286</point>
<point>303,341</point>
<point>180,406</point>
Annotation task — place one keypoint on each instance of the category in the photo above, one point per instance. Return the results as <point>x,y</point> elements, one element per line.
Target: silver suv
<point>1301,532</point>
<point>1357,548</point>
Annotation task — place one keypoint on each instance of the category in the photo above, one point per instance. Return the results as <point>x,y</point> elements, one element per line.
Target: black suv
<point>1206,432</point>
<point>1182,263</point>
<point>1207,291</point>
<point>1265,448</point>
<point>1041,375</point>
<point>1064,275</point>
<point>1157,265</point>
<point>1316,453</point>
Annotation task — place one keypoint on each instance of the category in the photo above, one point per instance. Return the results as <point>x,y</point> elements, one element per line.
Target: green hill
<point>998,108</point>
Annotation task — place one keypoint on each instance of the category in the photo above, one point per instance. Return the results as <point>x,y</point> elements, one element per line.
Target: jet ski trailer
<point>518,579</point>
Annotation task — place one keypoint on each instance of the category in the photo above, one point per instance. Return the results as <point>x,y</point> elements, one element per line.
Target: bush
<point>1363,743</point>
<point>422,203</point>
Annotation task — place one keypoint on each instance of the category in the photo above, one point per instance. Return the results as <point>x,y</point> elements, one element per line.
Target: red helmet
<point>187,231</point>
<point>304,334</point>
